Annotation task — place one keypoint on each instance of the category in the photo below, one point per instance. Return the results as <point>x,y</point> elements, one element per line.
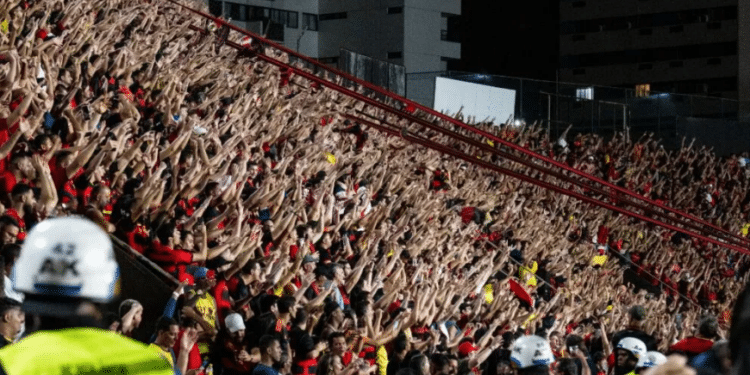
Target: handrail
<point>445,149</point>
<point>411,118</point>
<point>144,260</point>
<point>458,123</point>
<point>405,134</point>
<point>461,124</point>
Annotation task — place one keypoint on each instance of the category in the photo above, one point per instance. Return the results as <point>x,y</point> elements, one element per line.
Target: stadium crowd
<point>309,244</point>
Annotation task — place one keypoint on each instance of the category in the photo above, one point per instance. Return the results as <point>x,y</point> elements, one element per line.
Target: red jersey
<point>194,357</point>
<point>169,258</point>
<point>21,223</point>
<point>692,346</point>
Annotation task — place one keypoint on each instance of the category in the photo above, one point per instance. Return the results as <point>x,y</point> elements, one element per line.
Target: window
<point>642,90</point>
<point>451,63</point>
<point>276,16</point>
<point>214,7</point>
<point>649,55</point>
<point>310,21</point>
<point>395,55</point>
<point>292,20</point>
<point>332,16</point>
<point>395,10</point>
<point>276,31</point>
<point>235,12</point>
<point>451,27</point>
<point>585,93</point>
<point>227,10</point>
<point>329,60</point>
<point>257,13</point>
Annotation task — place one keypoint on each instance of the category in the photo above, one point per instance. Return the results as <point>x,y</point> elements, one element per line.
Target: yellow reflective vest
<point>77,351</point>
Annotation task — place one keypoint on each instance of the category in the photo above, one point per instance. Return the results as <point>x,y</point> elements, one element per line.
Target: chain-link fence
<point>591,108</point>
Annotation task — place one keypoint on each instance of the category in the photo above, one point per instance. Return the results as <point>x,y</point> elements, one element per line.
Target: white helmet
<point>651,359</point>
<point>65,257</point>
<point>529,351</point>
<point>634,346</point>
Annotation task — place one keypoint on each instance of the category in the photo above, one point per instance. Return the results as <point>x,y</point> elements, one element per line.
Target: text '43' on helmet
<point>67,258</point>
<point>530,351</point>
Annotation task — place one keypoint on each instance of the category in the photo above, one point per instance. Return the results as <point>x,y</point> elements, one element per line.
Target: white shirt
<point>10,292</point>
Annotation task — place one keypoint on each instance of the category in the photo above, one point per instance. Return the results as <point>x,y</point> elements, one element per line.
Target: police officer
<point>628,355</point>
<point>66,269</point>
<point>531,355</point>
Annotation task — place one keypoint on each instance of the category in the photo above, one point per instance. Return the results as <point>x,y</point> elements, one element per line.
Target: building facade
<point>421,35</point>
<point>680,46</point>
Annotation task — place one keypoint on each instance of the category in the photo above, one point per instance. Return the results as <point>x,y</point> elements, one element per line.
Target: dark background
<point>513,38</point>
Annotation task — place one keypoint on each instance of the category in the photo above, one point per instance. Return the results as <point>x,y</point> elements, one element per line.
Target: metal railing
<point>591,108</point>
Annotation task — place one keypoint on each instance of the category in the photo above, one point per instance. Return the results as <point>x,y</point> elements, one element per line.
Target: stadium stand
<point>354,228</point>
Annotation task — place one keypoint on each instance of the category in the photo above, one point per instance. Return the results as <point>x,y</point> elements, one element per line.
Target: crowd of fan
<point>306,242</point>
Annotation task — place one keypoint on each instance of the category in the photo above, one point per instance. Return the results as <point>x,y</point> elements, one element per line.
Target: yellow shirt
<point>206,306</point>
<point>166,354</point>
<point>527,274</point>
<point>78,351</point>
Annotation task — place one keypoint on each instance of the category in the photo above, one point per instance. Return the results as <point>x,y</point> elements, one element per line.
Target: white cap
<point>66,257</point>
<point>234,323</point>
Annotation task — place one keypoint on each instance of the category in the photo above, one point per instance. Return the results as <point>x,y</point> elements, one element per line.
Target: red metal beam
<point>461,124</point>
<point>472,159</point>
<point>389,109</point>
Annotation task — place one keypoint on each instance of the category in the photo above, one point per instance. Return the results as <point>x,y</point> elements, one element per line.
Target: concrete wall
<point>423,22</point>
<point>618,40</point>
<point>615,8</point>
<point>660,72</point>
<point>367,30</point>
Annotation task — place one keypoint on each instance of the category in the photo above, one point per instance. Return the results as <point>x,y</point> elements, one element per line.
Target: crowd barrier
<point>144,281</point>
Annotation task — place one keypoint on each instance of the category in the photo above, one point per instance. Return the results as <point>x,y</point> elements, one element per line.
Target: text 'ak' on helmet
<point>63,260</point>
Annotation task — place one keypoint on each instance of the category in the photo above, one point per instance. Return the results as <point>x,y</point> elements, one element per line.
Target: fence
<point>591,108</point>
<point>389,76</point>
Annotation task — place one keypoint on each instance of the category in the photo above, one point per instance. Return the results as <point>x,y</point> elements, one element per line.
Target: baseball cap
<point>466,348</point>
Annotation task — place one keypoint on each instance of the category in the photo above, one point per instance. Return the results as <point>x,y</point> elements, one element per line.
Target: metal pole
<point>549,114</point>
<point>520,101</point>
<point>592,116</point>
<point>658,118</point>
<point>625,126</point>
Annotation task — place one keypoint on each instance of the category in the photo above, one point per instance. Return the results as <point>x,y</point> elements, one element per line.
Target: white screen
<point>481,101</point>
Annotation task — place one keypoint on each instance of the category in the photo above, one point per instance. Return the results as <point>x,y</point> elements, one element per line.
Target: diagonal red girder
<point>705,229</point>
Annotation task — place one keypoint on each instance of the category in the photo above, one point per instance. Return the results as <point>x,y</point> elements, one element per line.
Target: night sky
<point>512,38</point>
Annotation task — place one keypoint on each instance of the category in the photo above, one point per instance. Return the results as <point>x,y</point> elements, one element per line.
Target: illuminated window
<point>585,93</point>
<point>642,90</point>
